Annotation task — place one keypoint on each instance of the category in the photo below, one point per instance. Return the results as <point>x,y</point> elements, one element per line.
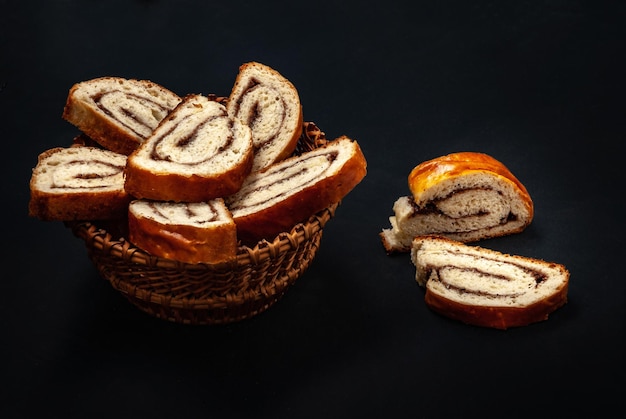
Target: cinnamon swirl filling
<point>275,184</point>
<point>189,213</point>
<point>87,174</point>
<point>139,114</point>
<point>471,277</point>
<point>263,109</point>
<point>466,210</point>
<point>194,140</point>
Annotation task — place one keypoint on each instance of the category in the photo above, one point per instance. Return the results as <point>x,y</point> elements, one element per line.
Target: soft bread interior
<point>465,208</point>
<point>198,214</point>
<point>134,105</point>
<point>483,277</point>
<point>76,169</point>
<point>269,104</point>
<point>197,138</point>
<point>271,186</point>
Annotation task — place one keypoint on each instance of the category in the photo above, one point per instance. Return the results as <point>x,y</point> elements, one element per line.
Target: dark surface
<point>537,85</point>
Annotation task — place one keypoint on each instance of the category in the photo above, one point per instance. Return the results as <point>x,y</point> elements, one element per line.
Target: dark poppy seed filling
<point>140,114</point>
<point>193,213</point>
<point>263,110</point>
<point>508,286</point>
<point>83,174</point>
<point>487,216</point>
<point>433,207</point>
<point>270,187</point>
<point>185,142</point>
<point>484,287</point>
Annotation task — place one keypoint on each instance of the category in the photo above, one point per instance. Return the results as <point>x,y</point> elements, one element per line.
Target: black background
<point>537,85</point>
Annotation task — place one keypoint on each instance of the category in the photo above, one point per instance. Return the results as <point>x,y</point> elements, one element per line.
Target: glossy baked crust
<point>163,186</point>
<point>503,307</point>
<point>269,221</point>
<point>464,196</point>
<point>497,317</point>
<point>430,173</point>
<point>185,243</point>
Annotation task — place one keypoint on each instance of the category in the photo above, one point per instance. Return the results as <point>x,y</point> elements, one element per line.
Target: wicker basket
<point>208,293</point>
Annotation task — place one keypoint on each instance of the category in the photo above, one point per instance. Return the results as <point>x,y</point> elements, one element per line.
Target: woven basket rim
<point>102,240</point>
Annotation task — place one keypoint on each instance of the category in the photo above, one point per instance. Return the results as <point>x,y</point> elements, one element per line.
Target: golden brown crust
<point>146,183</point>
<point>269,222</point>
<point>432,172</point>
<point>71,207</point>
<point>291,145</point>
<point>91,123</point>
<point>497,317</point>
<point>184,243</point>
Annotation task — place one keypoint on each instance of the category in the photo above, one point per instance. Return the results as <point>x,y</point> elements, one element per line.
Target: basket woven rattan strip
<point>208,293</point>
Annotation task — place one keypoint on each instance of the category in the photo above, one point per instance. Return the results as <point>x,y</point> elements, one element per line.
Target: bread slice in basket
<point>197,153</point>
<point>270,105</point>
<point>189,232</point>
<point>288,192</point>
<point>78,183</point>
<point>118,113</point>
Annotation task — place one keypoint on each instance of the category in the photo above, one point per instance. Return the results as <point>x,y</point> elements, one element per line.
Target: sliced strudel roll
<point>484,287</point>
<point>196,154</point>
<point>201,232</point>
<point>117,113</point>
<point>269,103</point>
<point>78,183</point>
<point>464,196</point>
<point>286,193</point>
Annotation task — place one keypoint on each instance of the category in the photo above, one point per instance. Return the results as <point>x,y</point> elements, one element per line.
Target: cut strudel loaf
<point>464,196</point>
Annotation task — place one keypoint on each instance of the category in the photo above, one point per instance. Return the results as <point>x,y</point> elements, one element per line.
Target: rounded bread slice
<point>78,183</point>
<point>201,232</point>
<point>286,193</point>
<point>484,287</point>
<point>196,154</point>
<point>464,196</point>
<point>117,113</point>
<point>269,103</point>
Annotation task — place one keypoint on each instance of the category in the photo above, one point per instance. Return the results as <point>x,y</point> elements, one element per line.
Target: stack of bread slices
<point>195,176</point>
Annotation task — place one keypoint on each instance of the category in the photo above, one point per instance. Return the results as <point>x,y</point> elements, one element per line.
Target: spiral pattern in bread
<point>118,113</point>
<point>275,199</point>
<point>269,104</point>
<point>196,154</point>
<point>463,196</point>
<point>78,183</point>
<point>484,287</point>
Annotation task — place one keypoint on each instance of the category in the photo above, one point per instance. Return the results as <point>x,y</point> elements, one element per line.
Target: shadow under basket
<point>208,293</point>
